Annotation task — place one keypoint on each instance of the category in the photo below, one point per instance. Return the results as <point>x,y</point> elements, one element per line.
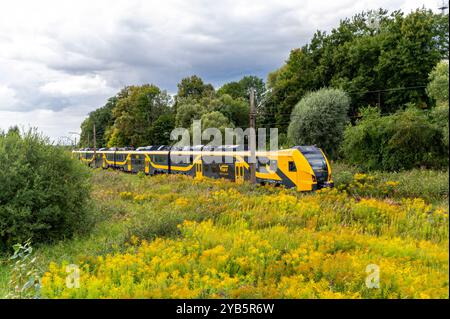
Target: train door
<point>147,165</point>
<point>104,165</point>
<point>239,172</point>
<point>129,163</point>
<point>198,169</point>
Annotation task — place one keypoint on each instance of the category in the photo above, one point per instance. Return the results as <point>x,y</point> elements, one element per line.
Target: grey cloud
<point>219,41</point>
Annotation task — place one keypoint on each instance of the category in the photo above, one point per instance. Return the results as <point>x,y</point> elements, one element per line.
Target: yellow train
<point>305,168</point>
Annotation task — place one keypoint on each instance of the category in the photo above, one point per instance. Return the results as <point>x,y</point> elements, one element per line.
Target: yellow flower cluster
<point>236,261</point>
<point>364,185</point>
<point>268,243</point>
<point>126,195</point>
<point>272,244</point>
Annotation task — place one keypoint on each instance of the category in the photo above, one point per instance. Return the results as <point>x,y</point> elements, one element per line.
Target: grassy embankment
<point>244,241</point>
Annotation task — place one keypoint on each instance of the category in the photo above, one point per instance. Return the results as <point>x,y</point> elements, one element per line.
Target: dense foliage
<point>241,88</point>
<point>370,52</point>
<point>43,192</point>
<point>145,115</point>
<point>135,112</point>
<point>319,119</point>
<point>257,243</point>
<point>402,140</point>
<point>438,86</point>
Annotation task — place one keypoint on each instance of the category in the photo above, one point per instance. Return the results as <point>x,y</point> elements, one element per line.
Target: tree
<point>438,86</point>
<point>44,193</point>
<point>194,87</point>
<point>188,110</point>
<point>362,60</point>
<point>236,110</point>
<point>161,129</point>
<point>403,140</point>
<point>217,120</point>
<point>135,111</point>
<point>319,119</point>
<point>241,88</point>
<point>438,90</point>
<point>233,89</point>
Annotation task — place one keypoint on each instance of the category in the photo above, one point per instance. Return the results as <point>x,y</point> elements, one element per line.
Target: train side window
<point>292,167</point>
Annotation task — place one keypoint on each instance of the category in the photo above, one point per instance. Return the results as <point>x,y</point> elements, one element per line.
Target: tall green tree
<point>194,87</point>
<point>136,110</point>
<point>240,89</point>
<point>320,119</point>
<point>384,63</point>
<point>161,129</point>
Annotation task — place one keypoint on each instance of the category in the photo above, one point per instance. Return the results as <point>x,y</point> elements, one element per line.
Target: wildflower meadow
<point>177,237</point>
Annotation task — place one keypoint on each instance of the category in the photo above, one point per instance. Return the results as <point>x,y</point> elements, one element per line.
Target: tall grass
<point>260,242</point>
<point>431,185</point>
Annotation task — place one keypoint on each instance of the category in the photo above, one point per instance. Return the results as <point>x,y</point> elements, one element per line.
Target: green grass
<point>431,185</point>
<point>4,277</point>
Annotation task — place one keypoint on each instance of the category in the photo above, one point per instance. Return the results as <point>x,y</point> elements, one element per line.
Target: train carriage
<point>305,168</point>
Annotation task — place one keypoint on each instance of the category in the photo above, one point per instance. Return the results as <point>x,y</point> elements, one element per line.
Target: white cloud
<point>57,55</point>
<point>76,85</point>
<point>54,124</point>
<point>7,97</point>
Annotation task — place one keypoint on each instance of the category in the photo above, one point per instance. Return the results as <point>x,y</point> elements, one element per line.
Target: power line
<point>389,90</point>
<point>443,7</point>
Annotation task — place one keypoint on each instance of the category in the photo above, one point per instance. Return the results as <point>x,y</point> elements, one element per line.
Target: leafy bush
<point>440,118</point>
<point>438,86</point>
<point>320,118</point>
<point>43,192</point>
<point>403,140</point>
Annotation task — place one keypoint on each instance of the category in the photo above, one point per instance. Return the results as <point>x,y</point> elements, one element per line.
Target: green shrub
<point>320,118</point>
<point>440,118</point>
<point>403,140</point>
<point>438,86</point>
<point>44,193</point>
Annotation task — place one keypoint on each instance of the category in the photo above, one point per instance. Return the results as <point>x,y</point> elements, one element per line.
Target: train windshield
<point>314,157</point>
<point>317,161</point>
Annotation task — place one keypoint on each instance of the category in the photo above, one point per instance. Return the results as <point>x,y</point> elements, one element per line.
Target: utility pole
<point>75,133</point>
<point>95,148</point>
<point>89,142</point>
<point>252,141</point>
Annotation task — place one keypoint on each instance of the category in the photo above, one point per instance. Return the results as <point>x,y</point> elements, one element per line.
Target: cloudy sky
<point>59,60</point>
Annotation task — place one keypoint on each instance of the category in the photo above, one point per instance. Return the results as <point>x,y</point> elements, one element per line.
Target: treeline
<point>375,60</point>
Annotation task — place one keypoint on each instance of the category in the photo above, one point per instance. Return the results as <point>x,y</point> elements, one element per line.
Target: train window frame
<point>291,166</point>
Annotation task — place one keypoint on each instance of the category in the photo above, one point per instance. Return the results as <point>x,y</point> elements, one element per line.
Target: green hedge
<point>44,193</point>
<point>403,140</point>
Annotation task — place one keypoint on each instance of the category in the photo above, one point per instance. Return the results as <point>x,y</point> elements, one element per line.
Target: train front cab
<point>312,168</point>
